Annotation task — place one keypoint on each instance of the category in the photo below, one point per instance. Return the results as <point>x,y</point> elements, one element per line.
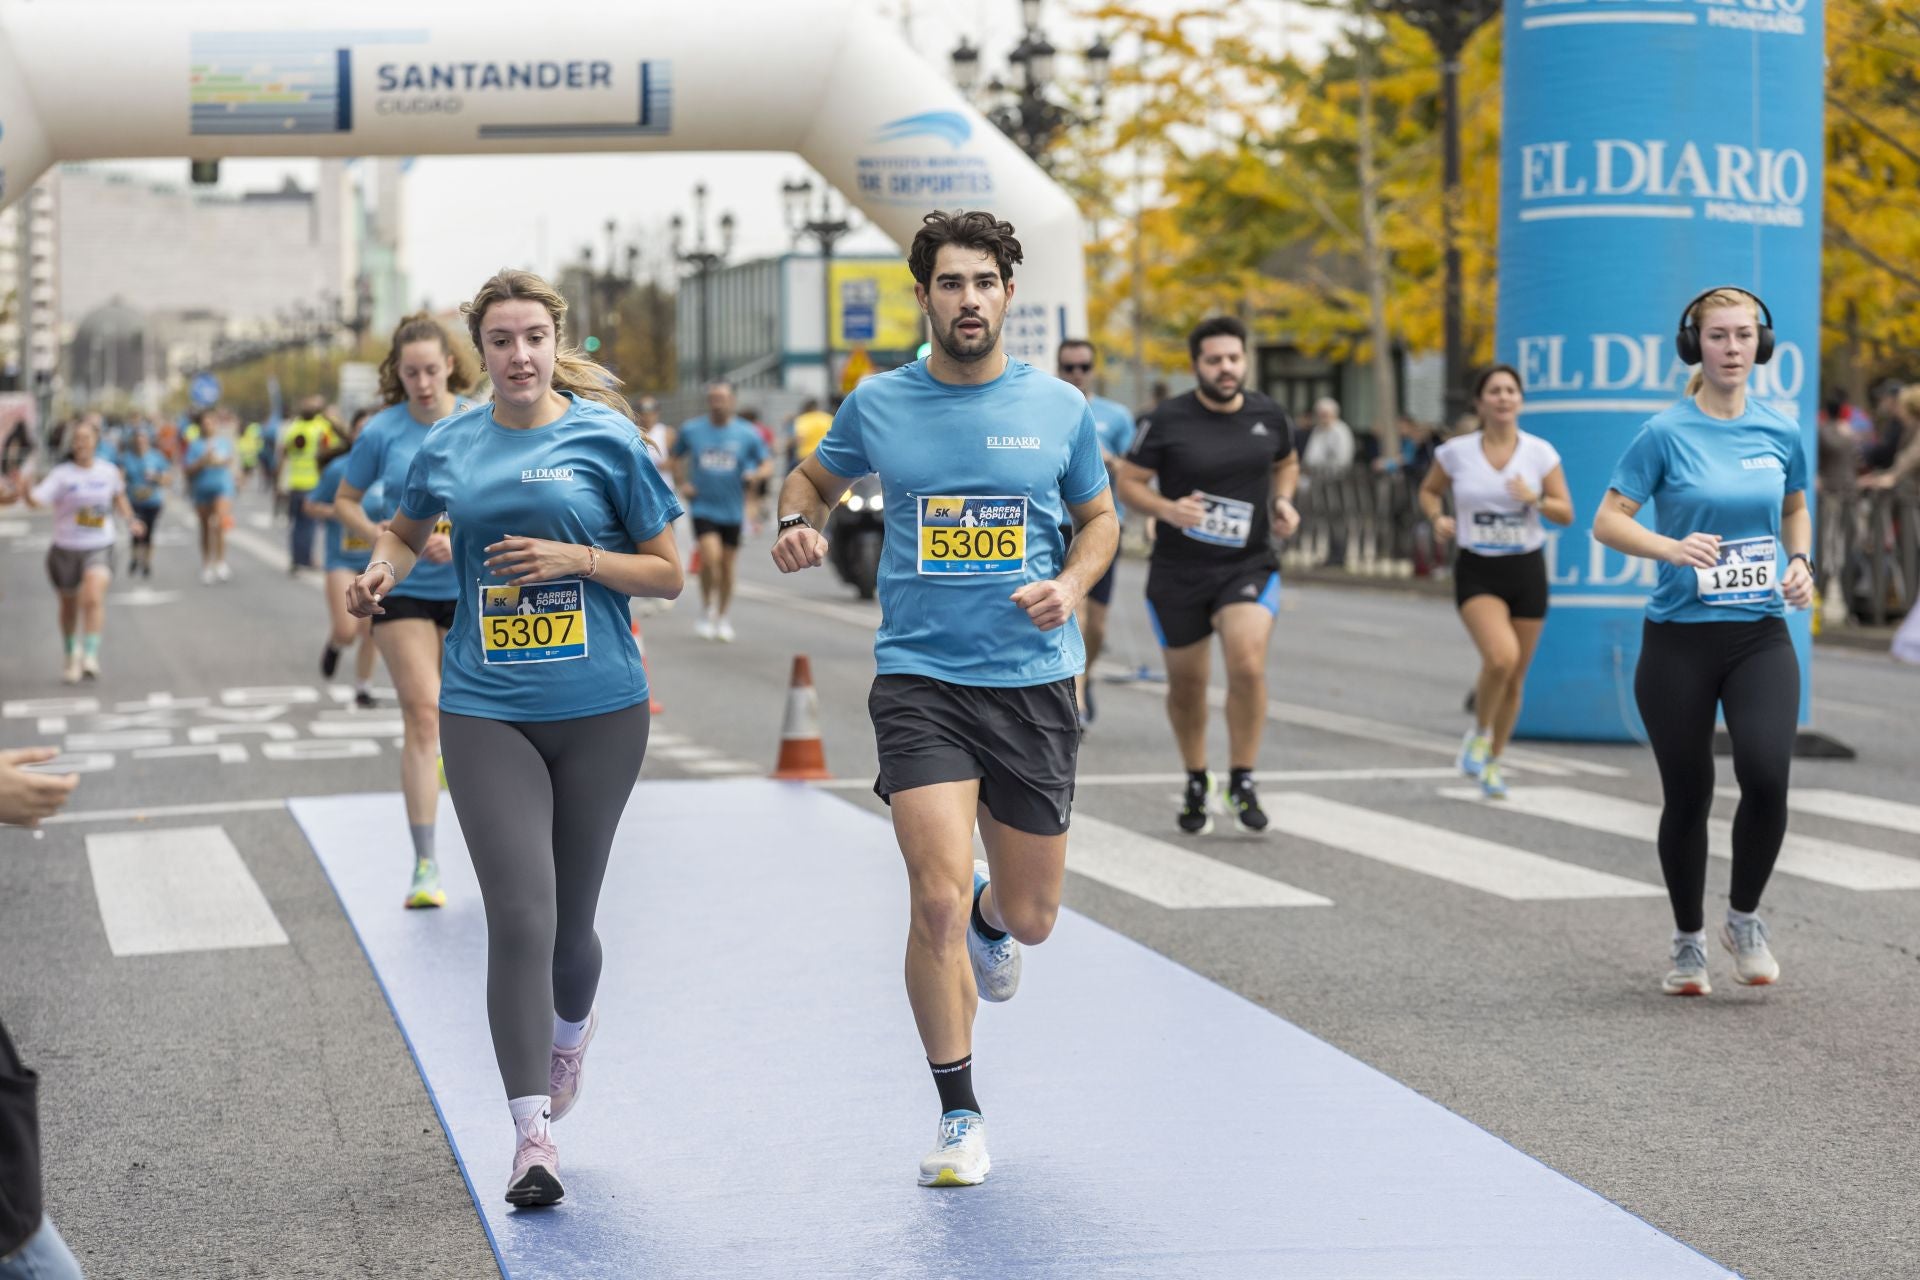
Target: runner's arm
<point>1556,500</point>
<point>1614,526</point>
<point>346,508</point>
<point>811,491</point>
<point>1135,484</point>
<point>1096,538</point>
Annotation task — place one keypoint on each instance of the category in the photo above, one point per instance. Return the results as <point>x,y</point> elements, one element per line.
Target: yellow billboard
<point>873,306</point>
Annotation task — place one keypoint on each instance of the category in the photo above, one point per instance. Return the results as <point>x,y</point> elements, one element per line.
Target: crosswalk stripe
<point>1850,807</point>
<point>1826,861</point>
<point>718,766</point>
<point>1505,872</point>
<point>178,889</point>
<point>1169,876</point>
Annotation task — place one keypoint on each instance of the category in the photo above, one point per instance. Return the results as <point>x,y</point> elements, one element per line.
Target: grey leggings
<point>538,804</point>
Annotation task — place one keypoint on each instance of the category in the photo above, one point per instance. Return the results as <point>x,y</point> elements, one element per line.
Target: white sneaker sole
<point>1740,975</point>
<point>1687,986</point>
<point>946,1175</point>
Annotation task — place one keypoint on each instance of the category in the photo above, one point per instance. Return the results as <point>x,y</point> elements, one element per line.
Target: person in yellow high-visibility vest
<point>301,445</point>
<point>249,449</point>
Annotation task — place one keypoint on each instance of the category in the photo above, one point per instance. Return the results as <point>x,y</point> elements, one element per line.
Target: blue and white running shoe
<point>996,965</point>
<point>959,1156</point>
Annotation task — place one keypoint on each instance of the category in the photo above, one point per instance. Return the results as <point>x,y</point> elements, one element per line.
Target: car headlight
<point>856,503</point>
<point>873,503</point>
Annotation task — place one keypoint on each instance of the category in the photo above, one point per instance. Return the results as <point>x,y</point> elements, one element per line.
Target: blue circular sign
<point>205,391</point>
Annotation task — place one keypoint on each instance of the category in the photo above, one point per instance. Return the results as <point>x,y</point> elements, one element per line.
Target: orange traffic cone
<point>653,704</point>
<point>803,757</point>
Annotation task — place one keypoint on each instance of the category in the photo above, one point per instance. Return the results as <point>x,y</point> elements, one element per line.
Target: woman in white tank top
<point>1503,481</point>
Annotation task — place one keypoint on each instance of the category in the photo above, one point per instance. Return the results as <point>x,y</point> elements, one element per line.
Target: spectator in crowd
<point>1326,460</point>
<point>1904,429</point>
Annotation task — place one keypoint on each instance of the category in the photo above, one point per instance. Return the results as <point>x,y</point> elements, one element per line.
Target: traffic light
<point>592,344</point>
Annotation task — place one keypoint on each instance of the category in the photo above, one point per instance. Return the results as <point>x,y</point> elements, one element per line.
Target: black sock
<point>1197,779</point>
<point>954,1080</point>
<point>981,926</point>
<point>1237,776</point>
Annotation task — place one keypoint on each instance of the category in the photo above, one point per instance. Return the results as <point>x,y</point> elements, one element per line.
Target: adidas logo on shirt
<point>1260,429</point>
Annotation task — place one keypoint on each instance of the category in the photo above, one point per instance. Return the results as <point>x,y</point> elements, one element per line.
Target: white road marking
<point>142,596</point>
<point>1848,806</point>
<point>690,751</point>
<point>314,749</point>
<point>720,766</point>
<point>224,752</point>
<point>298,694</point>
<point>125,740</point>
<point>105,723</point>
<point>1826,861</point>
<point>162,701</point>
<point>163,810</point>
<point>342,694</point>
<point>178,889</point>
<point>52,725</point>
<point>1274,776</point>
<point>205,733</point>
<point>15,528</point>
<point>364,727</point>
<point>246,715</point>
<point>33,708</point>
<point>76,762</point>
<point>664,740</point>
<point>1514,874</point>
<point>1169,876</point>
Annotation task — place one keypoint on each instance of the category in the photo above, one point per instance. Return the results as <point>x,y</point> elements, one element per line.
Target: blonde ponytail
<point>573,371</point>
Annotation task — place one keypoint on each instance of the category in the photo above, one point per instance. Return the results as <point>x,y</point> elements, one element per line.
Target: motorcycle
<point>856,534</point>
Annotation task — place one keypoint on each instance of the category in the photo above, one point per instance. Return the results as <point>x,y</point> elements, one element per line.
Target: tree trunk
<point>1386,421</point>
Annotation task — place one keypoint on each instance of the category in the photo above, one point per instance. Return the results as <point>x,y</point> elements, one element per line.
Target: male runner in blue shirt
<point>983,459</point>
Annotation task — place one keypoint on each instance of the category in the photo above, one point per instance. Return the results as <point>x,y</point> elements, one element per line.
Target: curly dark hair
<point>971,229</point>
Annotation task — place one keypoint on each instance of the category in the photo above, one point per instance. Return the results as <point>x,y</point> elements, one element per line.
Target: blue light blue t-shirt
<point>1114,423</point>
<point>722,457</point>
<point>382,455</point>
<point>345,550</point>
<point>962,468</point>
<point>217,480</point>
<point>551,651</point>
<point>1711,475</point>
<point>146,473</point>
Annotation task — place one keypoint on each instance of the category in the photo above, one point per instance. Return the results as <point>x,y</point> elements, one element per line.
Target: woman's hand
<point>1517,490</point>
<point>1444,528</point>
<point>523,561</point>
<point>439,548</point>
<point>1695,551</point>
<point>1797,585</point>
<point>365,591</point>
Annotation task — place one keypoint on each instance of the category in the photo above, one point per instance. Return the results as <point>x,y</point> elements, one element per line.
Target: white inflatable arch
<point>828,79</point>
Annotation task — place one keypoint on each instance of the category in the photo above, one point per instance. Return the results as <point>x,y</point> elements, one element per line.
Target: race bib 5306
<point>1748,572</point>
<point>963,535</point>
<point>544,622</point>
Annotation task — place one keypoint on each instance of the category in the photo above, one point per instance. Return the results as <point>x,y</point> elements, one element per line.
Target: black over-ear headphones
<point>1687,340</point>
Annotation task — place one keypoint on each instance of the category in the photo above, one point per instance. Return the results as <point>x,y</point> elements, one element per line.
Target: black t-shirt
<point>20,1194</point>
<point>1227,456</point>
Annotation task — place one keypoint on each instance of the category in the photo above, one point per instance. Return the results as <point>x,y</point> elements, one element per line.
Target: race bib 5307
<point>963,535</point>
<point>544,622</point>
<point>91,517</point>
<point>1748,572</point>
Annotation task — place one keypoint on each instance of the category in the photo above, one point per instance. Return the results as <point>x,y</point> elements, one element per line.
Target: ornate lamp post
<point>704,261</point>
<point>1023,110</point>
<point>827,228</point>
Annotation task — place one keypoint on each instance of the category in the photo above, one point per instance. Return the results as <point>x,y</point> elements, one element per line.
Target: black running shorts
<point>1021,743</point>
<point>1519,580</point>
<point>399,608</point>
<point>729,533</point>
<point>1182,598</point>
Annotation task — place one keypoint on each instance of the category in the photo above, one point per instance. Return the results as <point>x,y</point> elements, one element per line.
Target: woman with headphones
<point>1728,475</point>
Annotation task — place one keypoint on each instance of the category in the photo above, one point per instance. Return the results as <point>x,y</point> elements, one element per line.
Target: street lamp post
<point>1449,23</point>
<point>827,229</point>
<point>1023,110</point>
<point>704,261</point>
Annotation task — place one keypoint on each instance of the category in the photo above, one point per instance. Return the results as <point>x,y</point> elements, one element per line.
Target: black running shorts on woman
<point>1020,742</point>
<point>1520,580</point>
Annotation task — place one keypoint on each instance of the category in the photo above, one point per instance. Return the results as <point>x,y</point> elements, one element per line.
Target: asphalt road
<point>254,1112</point>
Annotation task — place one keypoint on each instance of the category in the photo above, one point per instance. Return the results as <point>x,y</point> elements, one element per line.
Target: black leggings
<point>148,516</point>
<point>538,805</point>
<point>1749,670</point>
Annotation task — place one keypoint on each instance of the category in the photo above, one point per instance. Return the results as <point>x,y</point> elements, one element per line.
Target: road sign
<point>859,310</point>
<point>205,391</point>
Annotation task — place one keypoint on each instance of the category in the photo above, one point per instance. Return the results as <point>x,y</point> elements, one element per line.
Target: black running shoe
<point>329,660</point>
<point>1246,806</point>
<point>1195,817</point>
<point>363,699</point>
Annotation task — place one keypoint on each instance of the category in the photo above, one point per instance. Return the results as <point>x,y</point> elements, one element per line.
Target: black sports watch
<point>795,521</point>
<point>1801,555</point>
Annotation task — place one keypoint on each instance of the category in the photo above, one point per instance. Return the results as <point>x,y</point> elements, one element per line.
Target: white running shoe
<point>206,575</point>
<point>90,667</point>
<point>222,572</point>
<point>959,1156</point>
<point>996,965</point>
<point>1689,974</point>
<point>724,631</point>
<point>71,674</point>
<point>1474,750</point>
<point>1752,957</point>
<point>705,628</point>
<point>563,1072</point>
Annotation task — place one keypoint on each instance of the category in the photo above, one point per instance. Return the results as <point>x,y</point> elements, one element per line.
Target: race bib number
<point>1498,532</point>
<point>91,517</point>
<point>354,542</point>
<point>1748,572</point>
<point>1228,522</point>
<point>972,535</point>
<point>719,460</point>
<point>544,622</point>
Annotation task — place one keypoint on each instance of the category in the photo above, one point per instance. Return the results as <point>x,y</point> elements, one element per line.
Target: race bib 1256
<point>1748,572</point>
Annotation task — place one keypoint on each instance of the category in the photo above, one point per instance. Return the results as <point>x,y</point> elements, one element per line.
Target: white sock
<point>362,686</point>
<point>1741,917</point>
<point>1482,731</point>
<point>531,1113</point>
<point>1698,938</point>
<point>568,1035</point>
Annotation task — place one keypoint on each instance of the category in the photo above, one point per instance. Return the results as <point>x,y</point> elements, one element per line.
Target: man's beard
<point>963,350</point>
<point>1211,391</point>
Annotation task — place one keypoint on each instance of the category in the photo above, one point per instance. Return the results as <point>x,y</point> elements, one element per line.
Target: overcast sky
<point>452,242</point>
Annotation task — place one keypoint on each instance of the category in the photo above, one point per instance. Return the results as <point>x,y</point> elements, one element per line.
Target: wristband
<point>593,561</point>
<point>392,574</point>
<point>795,521</point>
<point>1801,555</point>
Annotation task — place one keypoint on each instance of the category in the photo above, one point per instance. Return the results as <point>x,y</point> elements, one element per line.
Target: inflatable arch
<point>827,79</point>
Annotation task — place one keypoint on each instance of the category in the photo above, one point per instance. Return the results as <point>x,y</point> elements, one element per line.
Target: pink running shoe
<point>563,1076</point>
<point>536,1168</point>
